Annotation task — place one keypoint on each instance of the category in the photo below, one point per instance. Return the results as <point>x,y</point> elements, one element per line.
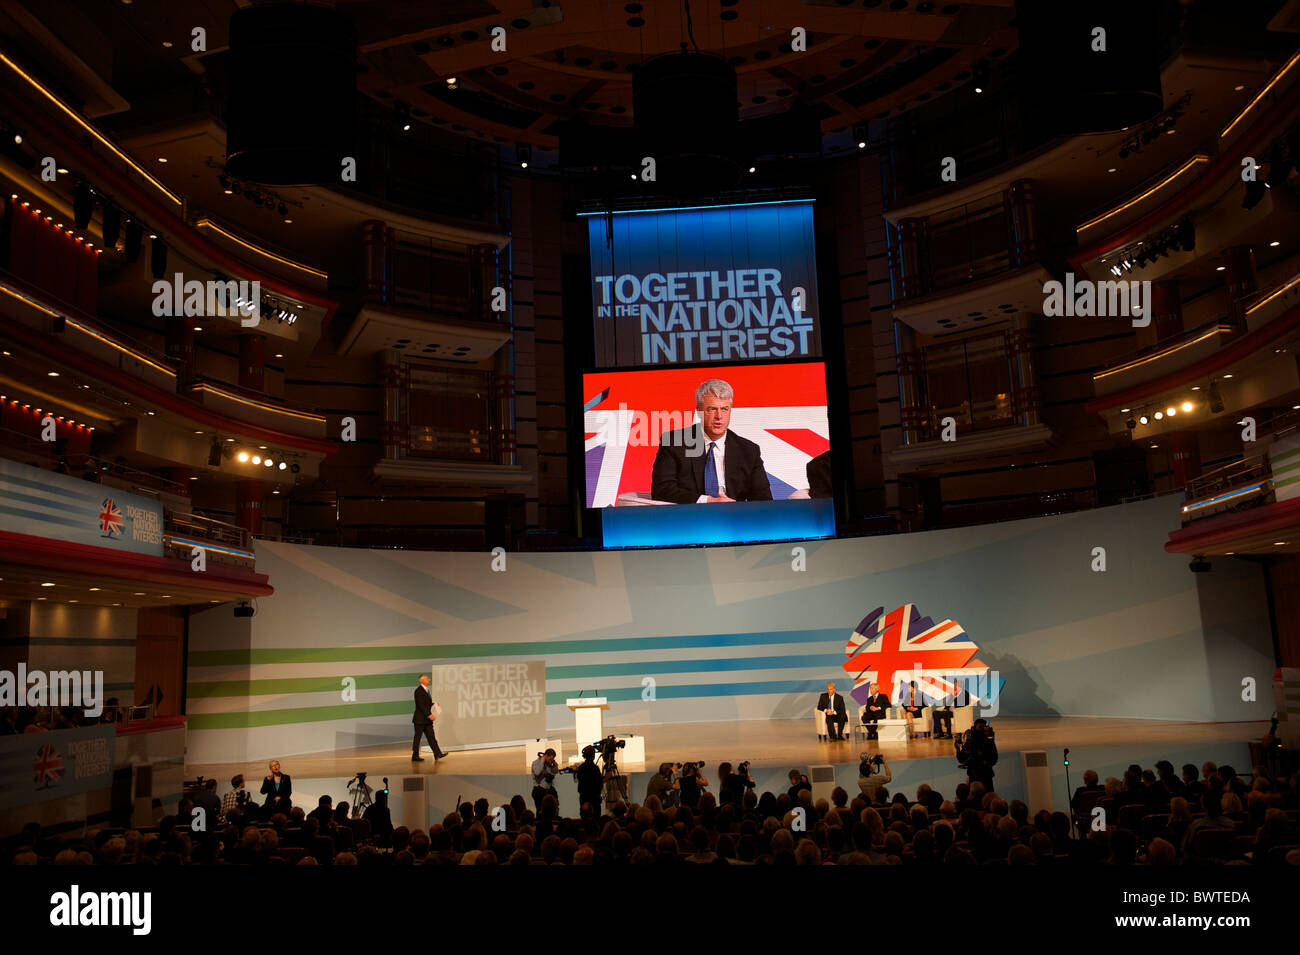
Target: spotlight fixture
<point>1144,419</point>
<point>1187,406</point>
<point>1199,565</point>
<point>1159,415</point>
<point>980,77</point>
<point>523,154</point>
<point>1131,423</point>
<point>214,453</point>
<point>242,457</point>
<point>257,459</point>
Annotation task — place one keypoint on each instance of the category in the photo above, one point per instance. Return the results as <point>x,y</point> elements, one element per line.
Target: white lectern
<point>587,715</point>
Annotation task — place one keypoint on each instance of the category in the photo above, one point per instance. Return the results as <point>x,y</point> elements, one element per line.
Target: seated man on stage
<point>877,707</point>
<point>832,704</point>
<point>941,713</point>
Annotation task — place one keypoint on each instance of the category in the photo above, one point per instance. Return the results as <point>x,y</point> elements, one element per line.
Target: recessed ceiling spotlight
<point>1274,244</point>
<point>1171,411</point>
<point>1111,169</point>
<point>1220,268</point>
<point>1227,376</point>
<point>1239,87</point>
<point>257,459</point>
<point>162,158</point>
<point>1160,415</point>
<point>242,456</point>
<point>47,584</point>
<point>93,589</point>
<point>1187,406</point>
<point>167,43</point>
<point>53,374</point>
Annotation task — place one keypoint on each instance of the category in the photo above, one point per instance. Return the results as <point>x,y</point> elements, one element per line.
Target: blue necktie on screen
<point>711,473</point>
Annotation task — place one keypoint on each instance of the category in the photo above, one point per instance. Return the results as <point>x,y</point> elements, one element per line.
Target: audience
<point>976,826</point>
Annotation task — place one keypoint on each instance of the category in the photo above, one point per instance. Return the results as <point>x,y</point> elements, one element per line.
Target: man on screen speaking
<point>706,463</point>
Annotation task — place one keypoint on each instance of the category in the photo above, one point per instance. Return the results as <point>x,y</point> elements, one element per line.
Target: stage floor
<point>766,743</point>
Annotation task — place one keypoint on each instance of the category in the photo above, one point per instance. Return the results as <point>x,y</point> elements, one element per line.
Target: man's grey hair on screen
<point>714,386</point>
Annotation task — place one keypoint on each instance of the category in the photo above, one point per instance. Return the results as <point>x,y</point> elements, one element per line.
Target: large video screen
<point>647,442</point>
<point>722,284</point>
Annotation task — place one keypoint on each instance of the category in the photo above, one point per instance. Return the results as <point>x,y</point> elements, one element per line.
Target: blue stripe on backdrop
<point>687,691</point>
<point>693,666</point>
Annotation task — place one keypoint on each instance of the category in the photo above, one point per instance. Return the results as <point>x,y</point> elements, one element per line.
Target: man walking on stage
<point>423,720</point>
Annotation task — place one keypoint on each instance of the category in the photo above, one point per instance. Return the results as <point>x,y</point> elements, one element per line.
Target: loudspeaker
<point>415,803</point>
<point>111,225</point>
<point>134,239</point>
<point>1038,780</point>
<point>823,782</point>
<point>158,258</point>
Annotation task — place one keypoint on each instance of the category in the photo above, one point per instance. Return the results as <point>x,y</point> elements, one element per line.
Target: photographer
<point>873,773</point>
<point>235,803</point>
<point>665,785</point>
<point>732,785</point>
<point>977,753</point>
<point>544,769</point>
<point>591,780</point>
<point>798,782</point>
<point>692,783</point>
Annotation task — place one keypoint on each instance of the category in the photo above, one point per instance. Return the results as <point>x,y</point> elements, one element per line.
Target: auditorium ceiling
<point>574,59</point>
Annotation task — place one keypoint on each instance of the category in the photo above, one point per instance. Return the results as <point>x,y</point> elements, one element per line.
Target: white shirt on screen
<point>719,464</point>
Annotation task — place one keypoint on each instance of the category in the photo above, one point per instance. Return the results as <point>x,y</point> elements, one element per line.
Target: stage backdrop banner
<point>489,702</point>
<point>35,767</point>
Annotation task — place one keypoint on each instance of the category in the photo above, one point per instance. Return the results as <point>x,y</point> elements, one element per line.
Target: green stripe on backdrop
<point>380,681</point>
<point>352,711</point>
<point>248,657</point>
<point>320,684</point>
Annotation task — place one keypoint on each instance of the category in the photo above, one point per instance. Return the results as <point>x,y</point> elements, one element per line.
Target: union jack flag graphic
<point>110,518</point>
<point>901,647</point>
<point>48,767</point>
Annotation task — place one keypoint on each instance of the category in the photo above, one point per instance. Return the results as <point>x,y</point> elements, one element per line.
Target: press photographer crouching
<point>544,769</point>
<point>665,785</point>
<point>977,752</point>
<point>873,773</point>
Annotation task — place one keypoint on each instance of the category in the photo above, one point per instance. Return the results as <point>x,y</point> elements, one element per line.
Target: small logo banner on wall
<point>110,518</point>
<point>901,647</point>
<point>48,767</point>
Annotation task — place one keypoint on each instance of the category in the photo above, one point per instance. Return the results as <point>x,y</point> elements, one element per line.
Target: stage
<point>773,747</point>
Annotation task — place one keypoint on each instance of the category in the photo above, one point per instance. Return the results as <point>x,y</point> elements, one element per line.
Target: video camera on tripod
<point>606,748</point>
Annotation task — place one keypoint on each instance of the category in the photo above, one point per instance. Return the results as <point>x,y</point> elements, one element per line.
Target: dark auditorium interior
<point>345,342</point>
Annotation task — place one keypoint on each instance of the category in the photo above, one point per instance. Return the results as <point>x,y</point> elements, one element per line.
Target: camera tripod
<point>360,794</point>
<point>615,783</point>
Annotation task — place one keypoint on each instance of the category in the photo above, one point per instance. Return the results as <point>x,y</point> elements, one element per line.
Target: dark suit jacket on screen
<point>680,479</point>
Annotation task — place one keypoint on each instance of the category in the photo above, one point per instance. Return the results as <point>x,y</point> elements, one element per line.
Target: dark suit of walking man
<point>423,720</point>
<point>832,704</point>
